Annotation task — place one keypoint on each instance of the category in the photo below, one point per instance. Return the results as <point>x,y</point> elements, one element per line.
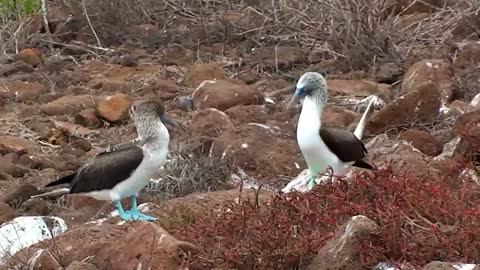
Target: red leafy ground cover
<point>423,217</point>
<point>421,220</point>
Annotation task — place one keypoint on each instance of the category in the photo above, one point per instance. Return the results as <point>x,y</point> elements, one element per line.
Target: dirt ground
<point>225,71</point>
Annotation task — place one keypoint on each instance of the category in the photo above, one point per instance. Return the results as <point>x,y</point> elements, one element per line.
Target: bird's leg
<point>133,202</point>
<point>135,214</point>
<point>311,183</point>
<point>121,212</point>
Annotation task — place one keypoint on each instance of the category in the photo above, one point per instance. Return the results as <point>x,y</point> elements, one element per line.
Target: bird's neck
<point>311,114</point>
<point>153,133</point>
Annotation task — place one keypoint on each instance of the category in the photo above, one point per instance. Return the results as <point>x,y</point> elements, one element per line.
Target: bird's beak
<point>294,100</point>
<point>169,121</point>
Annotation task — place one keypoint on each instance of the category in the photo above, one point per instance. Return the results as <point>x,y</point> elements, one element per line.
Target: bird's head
<point>150,109</point>
<point>311,84</point>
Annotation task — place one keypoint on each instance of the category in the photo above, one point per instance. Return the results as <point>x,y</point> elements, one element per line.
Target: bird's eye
<point>301,91</point>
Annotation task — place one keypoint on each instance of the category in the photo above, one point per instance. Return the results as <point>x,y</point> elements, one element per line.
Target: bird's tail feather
<point>64,180</point>
<point>55,192</point>
<point>360,129</point>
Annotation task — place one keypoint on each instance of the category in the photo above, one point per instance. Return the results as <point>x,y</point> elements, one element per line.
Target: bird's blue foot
<point>132,214</point>
<point>311,183</point>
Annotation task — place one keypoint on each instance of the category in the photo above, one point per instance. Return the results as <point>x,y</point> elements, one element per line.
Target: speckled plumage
<point>123,170</point>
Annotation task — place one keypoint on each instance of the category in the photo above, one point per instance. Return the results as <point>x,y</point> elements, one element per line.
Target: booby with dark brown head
<point>124,170</point>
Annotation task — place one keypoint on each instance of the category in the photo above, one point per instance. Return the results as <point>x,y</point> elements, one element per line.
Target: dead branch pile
<point>358,33</point>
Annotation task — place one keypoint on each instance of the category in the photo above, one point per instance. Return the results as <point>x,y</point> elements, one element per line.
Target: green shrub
<point>21,7</point>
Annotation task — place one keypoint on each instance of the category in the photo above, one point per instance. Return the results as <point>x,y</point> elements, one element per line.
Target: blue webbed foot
<point>132,214</point>
<point>135,214</point>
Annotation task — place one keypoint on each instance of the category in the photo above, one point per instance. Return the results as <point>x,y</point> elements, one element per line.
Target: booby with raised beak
<point>124,170</point>
<point>322,146</point>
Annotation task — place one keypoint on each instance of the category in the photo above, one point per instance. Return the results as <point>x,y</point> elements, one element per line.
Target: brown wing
<point>107,170</point>
<point>343,143</point>
<point>104,171</point>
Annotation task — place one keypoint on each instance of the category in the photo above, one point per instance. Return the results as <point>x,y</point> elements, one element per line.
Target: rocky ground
<point>225,72</point>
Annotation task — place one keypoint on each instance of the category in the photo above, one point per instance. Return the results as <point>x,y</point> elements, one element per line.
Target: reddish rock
<point>162,250</point>
<point>67,162</point>
<point>421,52</point>
<point>458,107</point>
<point>88,118</point>
<point>338,116</point>
<point>111,85</point>
<point>330,66</point>
<point>466,127</point>
<point>450,266</point>
<point>343,250</point>
<point>89,207</point>
<point>436,70</point>
<point>210,122</point>
<point>70,105</point>
<point>44,260</point>
<point>40,124</point>
<point>249,76</point>
<point>30,56</point>
<point>263,152</point>
<point>18,195</point>
<point>198,204</point>
<point>6,178</point>
<point>277,85</point>
<point>12,169</point>
<point>423,141</point>
<point>281,57</point>
<point>81,266</point>
<point>81,143</point>
<point>19,66</point>
<point>388,73</point>
<point>206,126</point>
<point>204,72</point>
<point>36,207</point>
<point>177,55</point>
<point>114,108</point>
<point>466,83</point>
<point>422,104</point>
<point>165,89</point>
<point>184,103</point>
<point>249,114</point>
<point>6,213</point>
<point>10,144</point>
<point>358,88</point>
<point>223,94</point>
<point>468,57</point>
<point>352,75</point>
<point>465,121</point>
<point>73,129</point>
<point>124,247</point>
<point>23,91</point>
<point>128,60</point>
<point>382,150</point>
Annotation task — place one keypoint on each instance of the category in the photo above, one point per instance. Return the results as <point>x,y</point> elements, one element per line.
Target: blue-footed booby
<point>123,170</point>
<point>322,146</point>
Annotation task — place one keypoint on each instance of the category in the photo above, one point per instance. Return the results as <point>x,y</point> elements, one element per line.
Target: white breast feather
<point>155,156</point>
<point>317,155</point>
